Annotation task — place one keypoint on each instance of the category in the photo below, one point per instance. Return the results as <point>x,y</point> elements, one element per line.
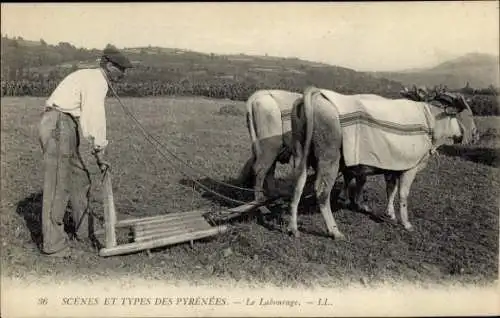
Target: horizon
<point>416,33</point>
<point>252,55</point>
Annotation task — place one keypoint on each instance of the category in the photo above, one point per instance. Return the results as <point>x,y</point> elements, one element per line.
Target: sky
<point>364,36</point>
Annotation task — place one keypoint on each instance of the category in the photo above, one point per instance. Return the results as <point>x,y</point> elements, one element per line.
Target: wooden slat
<point>158,233</point>
<point>159,218</point>
<point>147,230</point>
<point>169,226</point>
<point>140,246</point>
<point>168,218</point>
<point>172,223</point>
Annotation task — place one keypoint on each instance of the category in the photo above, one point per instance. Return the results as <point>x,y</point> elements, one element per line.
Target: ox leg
<point>327,174</point>
<point>312,162</point>
<point>356,196</point>
<point>405,182</point>
<point>270,181</point>
<point>263,169</point>
<point>327,142</point>
<point>352,198</point>
<point>347,175</point>
<point>298,154</point>
<point>344,196</point>
<point>300,174</point>
<point>391,182</point>
<point>247,175</point>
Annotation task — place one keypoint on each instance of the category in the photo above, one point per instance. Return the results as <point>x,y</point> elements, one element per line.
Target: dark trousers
<point>66,179</point>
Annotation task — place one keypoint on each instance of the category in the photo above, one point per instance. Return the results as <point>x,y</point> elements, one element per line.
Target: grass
<point>453,206</point>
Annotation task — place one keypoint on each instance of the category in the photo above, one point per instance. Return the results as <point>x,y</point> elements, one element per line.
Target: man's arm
<point>93,117</point>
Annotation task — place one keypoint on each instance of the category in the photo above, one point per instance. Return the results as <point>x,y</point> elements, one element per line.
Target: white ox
<point>269,125</point>
<point>368,136</point>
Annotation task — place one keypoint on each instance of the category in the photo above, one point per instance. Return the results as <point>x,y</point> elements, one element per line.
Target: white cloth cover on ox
<point>380,132</point>
<point>285,101</point>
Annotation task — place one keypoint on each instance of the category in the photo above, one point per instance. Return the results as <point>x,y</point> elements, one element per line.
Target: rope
<point>436,175</point>
<point>152,140</point>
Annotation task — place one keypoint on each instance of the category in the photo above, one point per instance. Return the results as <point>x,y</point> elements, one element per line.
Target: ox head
<point>418,94</point>
<point>456,107</point>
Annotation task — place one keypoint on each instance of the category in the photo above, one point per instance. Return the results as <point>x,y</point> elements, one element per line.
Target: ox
<point>269,125</point>
<point>371,136</point>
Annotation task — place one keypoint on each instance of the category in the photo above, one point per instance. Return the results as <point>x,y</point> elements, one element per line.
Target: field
<point>453,206</point>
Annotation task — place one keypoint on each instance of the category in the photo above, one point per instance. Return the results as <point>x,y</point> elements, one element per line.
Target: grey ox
<point>269,125</point>
<point>361,135</point>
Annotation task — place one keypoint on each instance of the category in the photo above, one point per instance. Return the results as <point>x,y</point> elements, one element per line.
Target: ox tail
<point>251,125</point>
<point>247,173</point>
<point>308,113</point>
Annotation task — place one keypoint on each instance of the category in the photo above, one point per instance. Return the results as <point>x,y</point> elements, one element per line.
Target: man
<point>76,105</point>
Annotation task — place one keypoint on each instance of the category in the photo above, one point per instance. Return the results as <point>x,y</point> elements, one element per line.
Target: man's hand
<point>99,155</point>
<point>103,165</point>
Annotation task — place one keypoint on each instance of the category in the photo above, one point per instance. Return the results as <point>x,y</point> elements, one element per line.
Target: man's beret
<point>116,57</point>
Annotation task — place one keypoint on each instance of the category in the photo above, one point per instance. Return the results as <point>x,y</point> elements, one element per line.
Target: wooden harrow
<point>158,231</point>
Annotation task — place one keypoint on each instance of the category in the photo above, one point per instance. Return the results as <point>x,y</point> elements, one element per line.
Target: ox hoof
<point>293,232</point>
<point>344,201</point>
<point>388,218</point>
<point>409,228</point>
<point>260,198</point>
<point>363,208</point>
<point>338,236</point>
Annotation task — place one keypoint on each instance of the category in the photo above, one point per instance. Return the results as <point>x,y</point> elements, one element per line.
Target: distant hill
<point>179,71</point>
<point>36,60</point>
<point>479,70</point>
<point>256,71</point>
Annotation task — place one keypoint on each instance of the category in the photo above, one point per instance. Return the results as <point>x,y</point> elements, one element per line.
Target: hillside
<point>34,68</point>
<point>479,70</point>
<point>37,61</point>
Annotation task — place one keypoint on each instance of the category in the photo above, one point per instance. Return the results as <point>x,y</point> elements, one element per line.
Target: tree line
<point>31,68</point>
<point>484,102</point>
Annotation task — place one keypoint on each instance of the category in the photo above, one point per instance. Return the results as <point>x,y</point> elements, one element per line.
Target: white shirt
<point>82,94</point>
